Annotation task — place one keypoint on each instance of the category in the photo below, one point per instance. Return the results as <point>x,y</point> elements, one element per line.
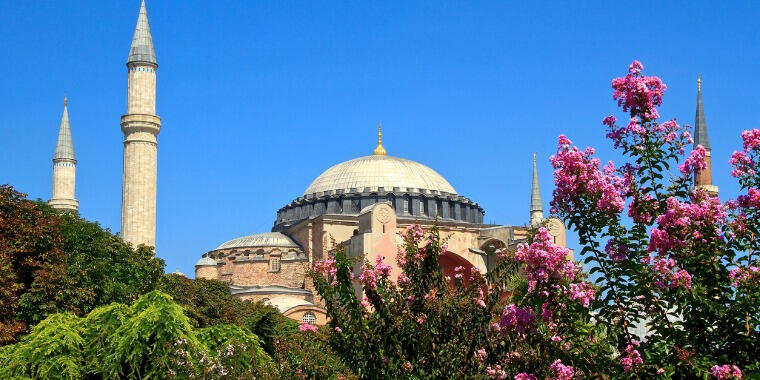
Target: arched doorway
<point>448,261</point>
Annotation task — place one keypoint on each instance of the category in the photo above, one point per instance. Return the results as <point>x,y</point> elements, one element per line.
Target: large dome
<point>378,171</point>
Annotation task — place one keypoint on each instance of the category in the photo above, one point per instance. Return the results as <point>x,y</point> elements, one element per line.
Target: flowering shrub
<point>676,276</point>
<point>499,325</point>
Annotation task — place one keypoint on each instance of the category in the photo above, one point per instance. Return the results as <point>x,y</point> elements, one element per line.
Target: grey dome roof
<point>205,261</point>
<point>266,239</point>
<point>379,171</point>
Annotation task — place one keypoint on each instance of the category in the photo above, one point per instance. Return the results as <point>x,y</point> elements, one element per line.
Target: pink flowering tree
<point>498,325</point>
<point>676,279</point>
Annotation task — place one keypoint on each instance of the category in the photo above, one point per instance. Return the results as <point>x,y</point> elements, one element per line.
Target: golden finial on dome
<point>65,101</point>
<point>379,151</point>
<point>699,82</point>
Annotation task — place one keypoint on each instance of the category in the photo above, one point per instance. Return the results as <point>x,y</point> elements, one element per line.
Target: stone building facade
<point>363,204</point>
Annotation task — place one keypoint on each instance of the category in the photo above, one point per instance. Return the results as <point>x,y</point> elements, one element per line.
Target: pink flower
<point>584,292</point>
<point>525,376</point>
<point>544,261</point>
<point>518,319</point>
<point>403,279</point>
<point>561,371</point>
<point>421,320</point>
<point>382,269</point>
<point>581,185</point>
<point>496,372</point>
<point>407,366</point>
<point>638,94</point>
<point>751,139</point>
<point>726,372</point>
<point>368,277</point>
<point>745,277</point>
<point>480,355</point>
<point>305,327</point>
<point>338,330</point>
<point>632,356</point>
<point>681,278</point>
<point>695,162</point>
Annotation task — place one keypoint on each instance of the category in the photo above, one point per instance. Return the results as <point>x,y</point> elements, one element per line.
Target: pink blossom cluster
<point>746,277</point>
<point>750,200</point>
<point>632,356</point>
<point>695,162</point>
<point>306,327</point>
<point>725,372</point>
<point>561,371</point>
<point>520,319</point>
<point>637,93</point>
<point>480,355</point>
<point>582,292</point>
<point>683,222</point>
<point>480,298</point>
<point>743,165</point>
<point>327,268</point>
<point>751,139</point>
<point>525,376</point>
<point>382,269</point>
<point>544,261</point>
<point>577,177</point>
<point>414,232</point>
<point>496,372</point>
<point>368,277</point>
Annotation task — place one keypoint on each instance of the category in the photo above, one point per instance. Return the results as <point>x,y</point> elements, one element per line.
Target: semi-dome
<point>206,261</point>
<point>379,171</point>
<point>266,239</point>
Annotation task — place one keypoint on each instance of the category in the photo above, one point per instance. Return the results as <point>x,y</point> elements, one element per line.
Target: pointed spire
<point>142,42</point>
<point>535,191</point>
<point>379,151</point>
<point>64,149</point>
<point>700,125</point>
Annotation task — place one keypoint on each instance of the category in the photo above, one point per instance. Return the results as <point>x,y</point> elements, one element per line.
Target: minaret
<point>536,209</point>
<point>379,151</point>
<point>140,126</point>
<point>64,167</point>
<point>703,178</point>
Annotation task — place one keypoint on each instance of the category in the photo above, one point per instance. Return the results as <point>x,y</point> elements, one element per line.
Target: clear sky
<point>257,98</point>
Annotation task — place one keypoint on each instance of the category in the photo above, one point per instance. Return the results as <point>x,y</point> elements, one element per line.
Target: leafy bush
<point>150,339</point>
<point>57,262</point>
<point>209,303</point>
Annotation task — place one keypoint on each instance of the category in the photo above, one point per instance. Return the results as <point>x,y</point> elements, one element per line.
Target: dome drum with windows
<point>414,190</point>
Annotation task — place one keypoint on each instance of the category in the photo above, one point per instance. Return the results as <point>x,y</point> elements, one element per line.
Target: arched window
<point>309,317</point>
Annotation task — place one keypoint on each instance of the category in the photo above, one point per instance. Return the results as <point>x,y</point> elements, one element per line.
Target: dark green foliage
<point>57,262</point>
<point>209,303</point>
<point>308,356</point>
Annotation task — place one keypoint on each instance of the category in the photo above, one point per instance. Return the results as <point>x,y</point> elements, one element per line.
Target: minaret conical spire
<point>700,125</point>
<point>64,148</point>
<point>703,178</point>
<point>536,207</point>
<point>379,151</point>
<point>64,167</point>
<point>142,41</point>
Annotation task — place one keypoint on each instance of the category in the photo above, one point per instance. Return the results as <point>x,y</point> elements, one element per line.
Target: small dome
<point>266,239</point>
<point>205,261</point>
<point>379,171</point>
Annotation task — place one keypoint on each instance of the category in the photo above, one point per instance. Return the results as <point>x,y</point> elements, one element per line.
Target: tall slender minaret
<point>536,209</point>
<point>703,178</point>
<point>140,126</point>
<point>64,167</point>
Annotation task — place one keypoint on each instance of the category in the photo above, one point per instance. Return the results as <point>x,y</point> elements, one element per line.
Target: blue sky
<point>258,98</point>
